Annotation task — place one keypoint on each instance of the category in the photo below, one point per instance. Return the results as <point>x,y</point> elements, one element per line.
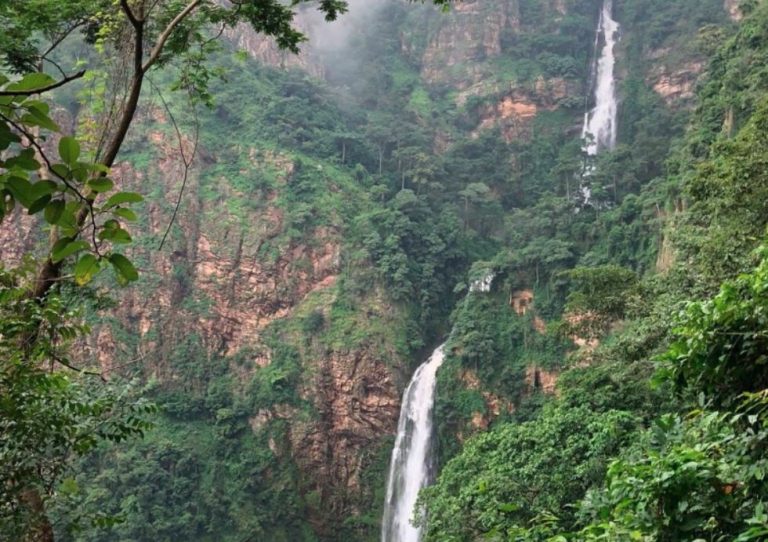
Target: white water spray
<point>410,468</point>
<point>600,122</point>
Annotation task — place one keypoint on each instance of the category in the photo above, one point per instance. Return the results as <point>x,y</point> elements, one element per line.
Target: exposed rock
<point>582,320</point>
<point>19,238</point>
<point>733,9</point>
<point>678,86</point>
<point>358,402</point>
<point>514,112</point>
<point>521,301</point>
<point>494,405</point>
<point>265,49</point>
<point>541,380</point>
<point>469,34</point>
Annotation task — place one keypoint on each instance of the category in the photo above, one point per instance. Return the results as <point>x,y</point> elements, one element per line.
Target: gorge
<point>235,336</point>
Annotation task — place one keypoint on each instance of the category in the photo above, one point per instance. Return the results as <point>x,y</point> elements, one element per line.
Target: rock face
<point>675,86</point>
<point>358,401</point>
<point>265,49</point>
<point>733,9</point>
<point>471,33</point>
<point>225,275</point>
<point>516,110</point>
<point>248,276</point>
<point>216,259</point>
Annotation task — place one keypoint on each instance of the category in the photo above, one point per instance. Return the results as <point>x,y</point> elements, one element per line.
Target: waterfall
<point>600,121</point>
<point>410,468</point>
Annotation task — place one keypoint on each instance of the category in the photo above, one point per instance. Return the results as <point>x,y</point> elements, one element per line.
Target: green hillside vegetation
<point>662,436</point>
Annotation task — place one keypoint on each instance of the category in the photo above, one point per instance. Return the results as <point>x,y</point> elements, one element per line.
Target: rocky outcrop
<point>265,49</point>
<point>732,7</point>
<point>470,34</point>
<point>676,86</point>
<point>494,405</point>
<point>538,379</point>
<point>515,111</point>
<point>17,237</point>
<point>357,400</point>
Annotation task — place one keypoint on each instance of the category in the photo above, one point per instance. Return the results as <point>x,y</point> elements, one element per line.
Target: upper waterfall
<point>600,122</point>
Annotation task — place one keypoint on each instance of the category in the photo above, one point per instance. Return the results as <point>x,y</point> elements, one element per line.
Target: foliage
<point>510,475</point>
<point>697,478</point>
<point>599,296</point>
<point>720,346</point>
<point>47,416</point>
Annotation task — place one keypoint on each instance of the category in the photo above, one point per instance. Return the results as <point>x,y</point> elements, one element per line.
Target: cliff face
<point>228,275</point>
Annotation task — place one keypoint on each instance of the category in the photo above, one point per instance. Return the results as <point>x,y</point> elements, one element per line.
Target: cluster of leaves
<point>701,476</point>
<point>505,478</point>
<point>598,297</point>
<point>698,478</point>
<point>47,417</point>
<point>63,191</point>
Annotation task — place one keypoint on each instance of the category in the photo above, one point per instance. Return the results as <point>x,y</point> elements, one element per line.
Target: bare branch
<point>186,161</point>
<point>55,65</point>
<point>57,41</point>
<point>66,364</point>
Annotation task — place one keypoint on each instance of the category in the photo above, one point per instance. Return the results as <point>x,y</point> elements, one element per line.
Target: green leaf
<point>38,105</point>
<point>116,235</point>
<point>43,188</point>
<point>69,149</point>
<point>21,190</point>
<point>86,268</point>
<point>123,197</point>
<point>7,136</point>
<point>126,213</point>
<point>36,118</point>
<point>39,204</point>
<point>61,170</point>
<point>68,221</point>
<point>66,247</point>
<point>53,211</point>
<point>31,81</point>
<point>24,160</point>
<point>126,272</point>
<point>100,184</point>
<point>69,486</point>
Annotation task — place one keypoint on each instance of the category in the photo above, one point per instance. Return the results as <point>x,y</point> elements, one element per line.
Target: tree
<point>43,407</point>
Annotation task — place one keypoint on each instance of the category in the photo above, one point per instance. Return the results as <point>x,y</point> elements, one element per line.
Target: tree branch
<point>136,23</point>
<point>158,48</point>
<point>186,161</point>
<point>40,90</point>
<point>57,41</point>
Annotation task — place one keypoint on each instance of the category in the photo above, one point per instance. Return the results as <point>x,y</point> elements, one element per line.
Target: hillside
<point>338,207</point>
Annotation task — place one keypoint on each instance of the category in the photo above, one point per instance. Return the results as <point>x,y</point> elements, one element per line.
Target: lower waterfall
<point>410,468</point>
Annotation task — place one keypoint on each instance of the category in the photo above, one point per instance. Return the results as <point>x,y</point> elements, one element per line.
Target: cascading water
<point>410,468</point>
<point>600,122</point>
<point>599,131</point>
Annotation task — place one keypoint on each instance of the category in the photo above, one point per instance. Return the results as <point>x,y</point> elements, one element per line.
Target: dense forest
<point>231,232</point>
